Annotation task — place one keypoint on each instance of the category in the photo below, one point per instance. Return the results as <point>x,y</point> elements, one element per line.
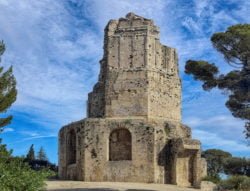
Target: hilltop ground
<point>112,186</point>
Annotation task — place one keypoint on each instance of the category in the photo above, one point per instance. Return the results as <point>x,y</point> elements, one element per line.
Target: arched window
<point>120,145</point>
<point>71,152</point>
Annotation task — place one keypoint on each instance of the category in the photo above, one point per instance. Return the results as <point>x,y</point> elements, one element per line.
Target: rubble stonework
<point>133,131</point>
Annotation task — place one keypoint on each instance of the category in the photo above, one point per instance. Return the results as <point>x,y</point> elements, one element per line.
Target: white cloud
<point>201,7</point>
<point>192,25</point>
<point>222,120</point>
<point>35,137</point>
<point>54,59</point>
<point>29,133</point>
<point>55,54</point>
<point>101,11</point>
<point>55,50</point>
<point>8,129</point>
<point>213,140</point>
<point>224,126</point>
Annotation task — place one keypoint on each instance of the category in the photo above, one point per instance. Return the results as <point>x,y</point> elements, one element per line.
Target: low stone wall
<point>208,186</point>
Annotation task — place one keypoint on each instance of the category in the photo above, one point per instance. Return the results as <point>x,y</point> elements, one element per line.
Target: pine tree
<point>215,161</point>
<point>41,155</point>
<point>234,44</point>
<point>8,90</point>
<point>31,154</point>
<point>15,174</point>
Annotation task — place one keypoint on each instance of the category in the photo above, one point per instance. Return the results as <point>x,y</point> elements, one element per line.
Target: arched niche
<point>71,147</point>
<point>120,145</point>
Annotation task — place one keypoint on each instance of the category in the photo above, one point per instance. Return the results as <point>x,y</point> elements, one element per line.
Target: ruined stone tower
<point>133,131</point>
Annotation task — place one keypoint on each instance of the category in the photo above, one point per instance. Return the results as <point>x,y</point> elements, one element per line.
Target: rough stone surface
<point>208,186</point>
<point>133,131</point>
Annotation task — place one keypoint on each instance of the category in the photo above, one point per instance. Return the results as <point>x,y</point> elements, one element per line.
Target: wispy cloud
<point>34,137</point>
<point>53,57</point>
<point>8,129</point>
<point>223,125</point>
<point>55,47</point>
<point>213,140</point>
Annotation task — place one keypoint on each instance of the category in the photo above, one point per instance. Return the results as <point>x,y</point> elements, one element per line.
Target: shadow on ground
<point>96,189</point>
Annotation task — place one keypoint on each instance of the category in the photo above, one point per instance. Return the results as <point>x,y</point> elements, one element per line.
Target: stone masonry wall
<point>148,140</point>
<point>139,76</point>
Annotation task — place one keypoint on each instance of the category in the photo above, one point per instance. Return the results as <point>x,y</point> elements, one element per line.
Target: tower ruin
<point>133,130</point>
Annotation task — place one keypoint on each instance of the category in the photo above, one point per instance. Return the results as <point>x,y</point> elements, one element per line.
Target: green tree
<point>41,155</point>
<point>237,166</point>
<point>31,154</point>
<point>8,90</point>
<point>215,161</point>
<point>235,183</point>
<point>17,175</point>
<point>234,44</point>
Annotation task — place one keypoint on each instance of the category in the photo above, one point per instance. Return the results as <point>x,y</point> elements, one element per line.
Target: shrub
<point>16,175</point>
<point>215,179</point>
<point>236,183</point>
<point>41,164</point>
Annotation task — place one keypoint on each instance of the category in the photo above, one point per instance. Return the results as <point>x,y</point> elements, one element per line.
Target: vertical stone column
<point>62,162</point>
<point>78,156</point>
<point>197,169</point>
<point>174,169</point>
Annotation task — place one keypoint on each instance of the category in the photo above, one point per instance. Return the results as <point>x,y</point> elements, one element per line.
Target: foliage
<point>215,161</point>
<point>17,175</point>
<point>41,155</point>
<point>237,166</point>
<point>8,90</point>
<point>236,183</point>
<point>215,179</point>
<point>234,44</point>
<point>41,164</point>
<point>202,71</point>
<point>31,154</point>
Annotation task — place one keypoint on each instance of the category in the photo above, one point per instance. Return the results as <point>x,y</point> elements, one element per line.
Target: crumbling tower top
<point>131,22</point>
<point>139,75</point>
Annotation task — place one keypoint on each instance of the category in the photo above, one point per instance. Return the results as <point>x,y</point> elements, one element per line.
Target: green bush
<point>215,179</point>
<point>16,175</point>
<point>235,183</point>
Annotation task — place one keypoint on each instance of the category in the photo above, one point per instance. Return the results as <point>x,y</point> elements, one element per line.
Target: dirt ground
<point>110,186</point>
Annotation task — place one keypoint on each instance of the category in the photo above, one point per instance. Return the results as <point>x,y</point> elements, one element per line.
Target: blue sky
<point>55,47</point>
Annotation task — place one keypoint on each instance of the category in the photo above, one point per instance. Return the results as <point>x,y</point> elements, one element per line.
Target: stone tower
<point>139,76</point>
<point>133,131</point>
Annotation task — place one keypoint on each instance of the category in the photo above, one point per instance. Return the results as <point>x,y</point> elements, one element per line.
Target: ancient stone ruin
<point>133,131</point>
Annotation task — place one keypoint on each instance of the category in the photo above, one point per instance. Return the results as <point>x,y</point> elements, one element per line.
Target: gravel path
<point>110,186</point>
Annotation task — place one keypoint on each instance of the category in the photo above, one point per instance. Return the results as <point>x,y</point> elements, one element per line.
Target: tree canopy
<point>31,154</point>
<point>8,90</point>
<point>15,174</point>
<point>221,162</point>
<point>237,166</point>
<point>234,44</point>
<point>41,155</point>
<point>215,161</point>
